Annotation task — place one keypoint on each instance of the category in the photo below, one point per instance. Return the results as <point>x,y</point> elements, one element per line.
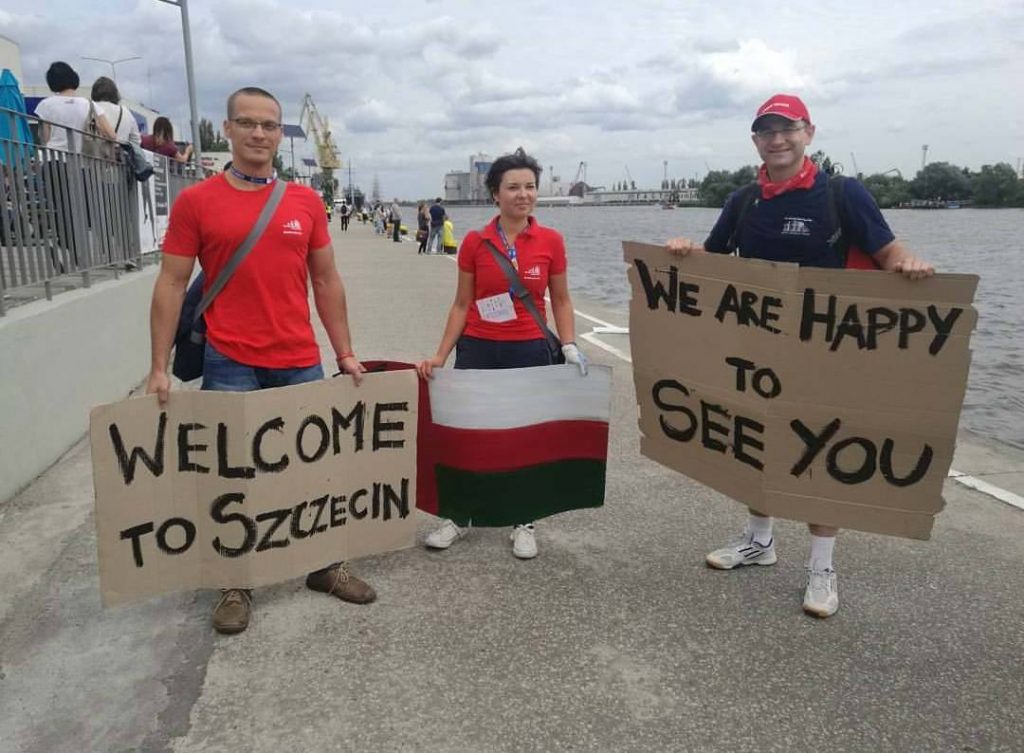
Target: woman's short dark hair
<point>105,90</point>
<point>61,76</point>
<point>518,160</point>
<point>163,129</point>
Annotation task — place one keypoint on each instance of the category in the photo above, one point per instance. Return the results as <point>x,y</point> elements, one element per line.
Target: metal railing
<point>67,215</point>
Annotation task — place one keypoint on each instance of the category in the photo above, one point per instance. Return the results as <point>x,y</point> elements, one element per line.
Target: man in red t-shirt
<point>259,332</point>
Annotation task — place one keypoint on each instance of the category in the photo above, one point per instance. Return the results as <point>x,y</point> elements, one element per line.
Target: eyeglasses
<point>268,126</point>
<point>767,134</point>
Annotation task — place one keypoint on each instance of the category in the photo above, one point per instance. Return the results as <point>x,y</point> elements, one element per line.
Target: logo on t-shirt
<point>796,226</point>
<point>292,227</point>
<point>533,273</point>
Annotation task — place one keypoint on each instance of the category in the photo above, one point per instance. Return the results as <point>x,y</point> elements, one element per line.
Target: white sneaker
<point>445,535</point>
<point>524,543</point>
<point>821,598</point>
<point>743,551</point>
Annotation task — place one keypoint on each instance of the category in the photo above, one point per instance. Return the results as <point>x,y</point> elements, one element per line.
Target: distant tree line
<point>991,186</point>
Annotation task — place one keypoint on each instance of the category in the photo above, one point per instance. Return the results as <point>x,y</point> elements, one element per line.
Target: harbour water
<point>973,241</point>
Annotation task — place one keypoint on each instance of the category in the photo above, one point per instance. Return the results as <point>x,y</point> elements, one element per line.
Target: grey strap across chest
<point>280,186</point>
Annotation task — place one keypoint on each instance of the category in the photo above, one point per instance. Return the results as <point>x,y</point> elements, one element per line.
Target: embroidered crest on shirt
<point>533,273</point>
<point>796,226</point>
<point>292,227</point>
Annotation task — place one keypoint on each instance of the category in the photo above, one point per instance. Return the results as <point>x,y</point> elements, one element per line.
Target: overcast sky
<point>413,87</point>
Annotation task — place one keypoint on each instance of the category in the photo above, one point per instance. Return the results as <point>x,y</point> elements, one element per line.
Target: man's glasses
<point>268,126</point>
<point>767,134</point>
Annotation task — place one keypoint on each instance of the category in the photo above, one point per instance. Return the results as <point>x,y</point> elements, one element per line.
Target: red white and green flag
<point>506,446</point>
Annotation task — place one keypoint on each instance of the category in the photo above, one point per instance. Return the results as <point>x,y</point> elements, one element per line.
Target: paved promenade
<point>616,638</point>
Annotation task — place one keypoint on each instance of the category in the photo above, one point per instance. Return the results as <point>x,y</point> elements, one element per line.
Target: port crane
<point>326,149</point>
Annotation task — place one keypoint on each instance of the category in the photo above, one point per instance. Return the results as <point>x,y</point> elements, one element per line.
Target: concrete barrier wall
<point>58,359</point>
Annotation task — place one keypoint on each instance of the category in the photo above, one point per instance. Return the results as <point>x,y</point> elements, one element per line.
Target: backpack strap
<point>745,200</point>
<point>837,239</point>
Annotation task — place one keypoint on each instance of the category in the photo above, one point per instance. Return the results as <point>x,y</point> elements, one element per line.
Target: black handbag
<point>519,291</point>
<point>190,339</point>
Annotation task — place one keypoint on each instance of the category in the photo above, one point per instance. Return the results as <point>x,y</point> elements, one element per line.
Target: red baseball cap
<point>786,106</point>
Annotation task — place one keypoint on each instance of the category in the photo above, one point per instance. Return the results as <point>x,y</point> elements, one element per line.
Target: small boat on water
<point>668,205</point>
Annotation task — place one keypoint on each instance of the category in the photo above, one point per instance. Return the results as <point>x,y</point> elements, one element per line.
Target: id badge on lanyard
<point>510,250</point>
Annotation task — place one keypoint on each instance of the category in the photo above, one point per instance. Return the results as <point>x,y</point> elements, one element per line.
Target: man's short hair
<point>252,91</point>
<point>61,76</point>
<point>437,200</point>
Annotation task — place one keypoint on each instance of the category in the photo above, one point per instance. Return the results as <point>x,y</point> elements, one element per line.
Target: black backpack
<point>751,192</point>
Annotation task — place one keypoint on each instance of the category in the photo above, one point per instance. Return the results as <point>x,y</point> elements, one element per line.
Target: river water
<point>985,242</point>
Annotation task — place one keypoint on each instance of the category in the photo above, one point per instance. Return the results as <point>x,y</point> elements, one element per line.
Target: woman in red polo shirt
<point>488,328</point>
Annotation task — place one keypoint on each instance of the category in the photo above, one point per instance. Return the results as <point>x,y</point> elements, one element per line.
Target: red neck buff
<point>803,179</point>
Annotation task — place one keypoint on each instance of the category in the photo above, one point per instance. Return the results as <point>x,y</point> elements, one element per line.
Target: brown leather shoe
<point>337,580</point>
<point>231,615</point>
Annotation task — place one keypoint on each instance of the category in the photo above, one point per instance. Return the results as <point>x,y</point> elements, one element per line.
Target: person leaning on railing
<point>108,102</point>
<point>161,141</point>
<point>63,119</point>
<point>66,108</point>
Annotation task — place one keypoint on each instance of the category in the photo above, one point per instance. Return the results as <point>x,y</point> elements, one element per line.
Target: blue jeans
<point>436,231</point>
<point>222,374</point>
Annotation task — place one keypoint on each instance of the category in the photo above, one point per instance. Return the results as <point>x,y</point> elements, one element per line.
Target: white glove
<point>575,355</point>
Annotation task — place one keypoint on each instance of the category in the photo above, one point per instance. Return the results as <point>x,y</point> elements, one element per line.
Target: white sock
<point>760,529</point>
<point>821,552</point>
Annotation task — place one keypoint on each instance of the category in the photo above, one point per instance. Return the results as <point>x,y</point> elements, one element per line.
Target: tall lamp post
<point>187,34</point>
<point>112,63</point>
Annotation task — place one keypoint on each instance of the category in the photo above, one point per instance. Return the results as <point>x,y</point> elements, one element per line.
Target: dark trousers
<point>477,353</point>
<point>396,230</point>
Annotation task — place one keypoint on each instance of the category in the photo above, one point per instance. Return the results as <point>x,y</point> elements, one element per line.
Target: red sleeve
<point>558,261</point>
<point>182,237</point>
<point>468,250</point>
<point>321,235</point>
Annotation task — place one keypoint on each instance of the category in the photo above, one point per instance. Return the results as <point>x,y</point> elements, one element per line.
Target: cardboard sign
<point>242,489</point>
<point>826,396</point>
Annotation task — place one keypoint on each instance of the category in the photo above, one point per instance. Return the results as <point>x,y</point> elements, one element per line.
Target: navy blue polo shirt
<point>436,215</point>
<point>794,226</point>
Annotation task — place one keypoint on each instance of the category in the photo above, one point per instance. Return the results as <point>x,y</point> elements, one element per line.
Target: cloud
<point>413,88</point>
<point>372,116</point>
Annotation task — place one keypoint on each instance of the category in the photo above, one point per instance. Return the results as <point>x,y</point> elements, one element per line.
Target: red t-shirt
<point>167,149</point>
<point>540,252</point>
<point>261,317</point>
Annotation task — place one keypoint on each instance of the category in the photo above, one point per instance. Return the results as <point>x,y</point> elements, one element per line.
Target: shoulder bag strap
<point>519,291</point>
<point>120,115</point>
<point>247,245</point>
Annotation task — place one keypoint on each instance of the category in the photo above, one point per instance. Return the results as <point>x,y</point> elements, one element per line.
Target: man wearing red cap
<point>787,217</point>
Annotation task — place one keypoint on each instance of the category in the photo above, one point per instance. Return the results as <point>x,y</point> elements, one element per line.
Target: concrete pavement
<point>616,638</point>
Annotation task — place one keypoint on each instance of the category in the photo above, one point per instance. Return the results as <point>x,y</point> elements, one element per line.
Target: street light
<point>112,63</point>
<point>190,78</point>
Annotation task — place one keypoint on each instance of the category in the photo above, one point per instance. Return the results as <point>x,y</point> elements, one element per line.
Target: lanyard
<point>510,249</point>
<point>249,178</point>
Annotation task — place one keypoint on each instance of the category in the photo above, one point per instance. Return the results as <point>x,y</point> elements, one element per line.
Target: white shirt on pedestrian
<point>72,112</point>
<point>128,130</point>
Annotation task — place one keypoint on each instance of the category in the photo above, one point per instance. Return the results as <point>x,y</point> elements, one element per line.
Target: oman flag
<point>506,446</point>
